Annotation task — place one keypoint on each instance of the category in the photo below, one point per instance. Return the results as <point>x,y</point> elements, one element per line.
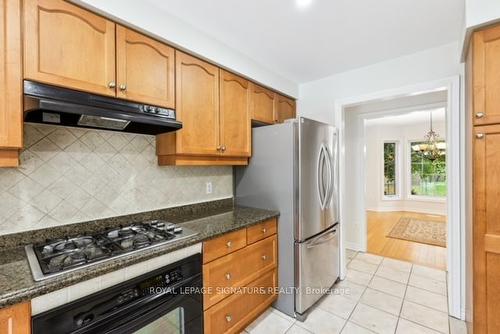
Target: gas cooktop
<point>59,256</point>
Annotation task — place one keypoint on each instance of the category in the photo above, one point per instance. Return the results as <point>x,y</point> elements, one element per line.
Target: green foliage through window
<point>428,177</point>
<point>390,169</point>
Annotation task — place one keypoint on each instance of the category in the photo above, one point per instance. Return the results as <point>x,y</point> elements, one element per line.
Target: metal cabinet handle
<point>228,276</point>
<point>264,257</point>
<point>229,244</point>
<point>112,84</point>
<point>223,148</point>
<point>219,148</point>
<point>229,318</point>
<point>123,87</point>
<point>480,115</point>
<point>480,135</point>
<point>264,230</point>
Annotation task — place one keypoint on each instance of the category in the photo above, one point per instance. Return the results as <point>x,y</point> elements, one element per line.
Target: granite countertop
<point>216,218</point>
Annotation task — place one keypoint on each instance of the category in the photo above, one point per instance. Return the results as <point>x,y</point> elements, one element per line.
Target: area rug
<point>420,230</point>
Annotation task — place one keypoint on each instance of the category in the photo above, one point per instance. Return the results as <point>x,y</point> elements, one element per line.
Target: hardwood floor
<point>381,223</point>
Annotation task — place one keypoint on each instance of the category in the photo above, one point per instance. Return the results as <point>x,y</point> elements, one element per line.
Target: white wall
<point>317,98</point>
<point>479,12</point>
<point>176,32</point>
<point>375,136</point>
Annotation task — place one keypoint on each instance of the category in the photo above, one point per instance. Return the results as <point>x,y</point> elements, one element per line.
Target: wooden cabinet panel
<point>261,231</point>
<point>197,96</point>
<point>11,109</point>
<point>68,46</point>
<point>225,244</point>
<point>486,229</point>
<point>263,104</point>
<point>486,76</point>
<point>235,127</point>
<point>233,313</point>
<point>145,69</point>
<point>16,319</point>
<point>285,108</point>
<point>238,269</point>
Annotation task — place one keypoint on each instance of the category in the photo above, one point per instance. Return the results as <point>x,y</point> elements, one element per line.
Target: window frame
<point>397,169</point>
<point>409,195</point>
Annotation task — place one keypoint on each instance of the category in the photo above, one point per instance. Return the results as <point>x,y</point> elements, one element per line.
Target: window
<point>428,177</point>
<point>390,151</point>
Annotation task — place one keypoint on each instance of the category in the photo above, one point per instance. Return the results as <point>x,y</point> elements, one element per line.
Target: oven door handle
<point>111,314</point>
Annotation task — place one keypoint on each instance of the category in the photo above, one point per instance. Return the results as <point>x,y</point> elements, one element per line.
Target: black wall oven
<point>167,301</point>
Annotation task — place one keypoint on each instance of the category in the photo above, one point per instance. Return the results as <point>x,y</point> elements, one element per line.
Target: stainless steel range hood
<point>60,106</point>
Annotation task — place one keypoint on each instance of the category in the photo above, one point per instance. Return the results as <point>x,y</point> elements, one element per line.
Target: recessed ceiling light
<point>303,3</point>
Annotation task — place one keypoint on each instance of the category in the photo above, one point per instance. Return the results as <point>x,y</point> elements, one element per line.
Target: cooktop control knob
<point>170,227</point>
<point>178,230</point>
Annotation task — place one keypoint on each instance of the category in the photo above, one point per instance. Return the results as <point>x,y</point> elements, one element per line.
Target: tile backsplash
<point>69,175</point>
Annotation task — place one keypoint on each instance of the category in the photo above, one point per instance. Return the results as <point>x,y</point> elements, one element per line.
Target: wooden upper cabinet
<point>285,108</point>
<point>11,109</point>
<point>145,69</point>
<point>486,229</point>
<point>68,46</point>
<point>197,92</point>
<point>486,76</point>
<point>16,319</point>
<point>235,127</point>
<point>263,104</point>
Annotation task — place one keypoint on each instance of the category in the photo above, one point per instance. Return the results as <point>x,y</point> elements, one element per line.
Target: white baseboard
<point>354,246</point>
<point>429,212</point>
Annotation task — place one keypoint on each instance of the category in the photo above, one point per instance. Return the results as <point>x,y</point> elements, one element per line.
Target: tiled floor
<point>379,295</point>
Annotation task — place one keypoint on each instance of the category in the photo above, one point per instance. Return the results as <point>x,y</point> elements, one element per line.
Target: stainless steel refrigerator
<point>293,169</point>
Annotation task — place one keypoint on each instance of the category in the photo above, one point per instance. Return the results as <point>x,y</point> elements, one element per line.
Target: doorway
<point>353,171</point>
<point>405,180</point>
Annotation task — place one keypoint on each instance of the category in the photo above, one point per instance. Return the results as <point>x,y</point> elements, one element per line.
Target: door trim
<point>456,206</point>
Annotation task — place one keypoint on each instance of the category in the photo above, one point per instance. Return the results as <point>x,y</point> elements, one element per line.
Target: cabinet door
<point>285,108</point>
<point>68,46</point>
<point>235,124</point>
<point>263,104</point>
<point>16,319</point>
<point>486,76</point>
<point>197,94</point>
<point>145,69</point>
<point>486,229</point>
<point>11,111</point>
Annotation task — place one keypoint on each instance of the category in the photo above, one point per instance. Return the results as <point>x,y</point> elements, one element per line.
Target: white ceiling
<point>414,117</point>
<point>328,37</point>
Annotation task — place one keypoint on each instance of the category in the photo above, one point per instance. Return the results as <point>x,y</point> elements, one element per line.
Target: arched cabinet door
<point>68,46</point>
<point>235,128</point>
<point>285,108</point>
<point>197,91</point>
<point>145,69</point>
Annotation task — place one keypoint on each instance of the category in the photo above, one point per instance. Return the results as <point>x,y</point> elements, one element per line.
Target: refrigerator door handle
<point>330,185</point>
<point>321,181</point>
<point>321,239</point>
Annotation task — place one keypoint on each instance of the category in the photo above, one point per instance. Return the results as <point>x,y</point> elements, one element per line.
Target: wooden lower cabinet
<point>228,272</point>
<point>16,319</point>
<point>486,230</point>
<point>235,312</point>
<point>240,283</point>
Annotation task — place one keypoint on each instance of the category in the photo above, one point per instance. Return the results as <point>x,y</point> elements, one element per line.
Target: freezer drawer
<point>317,267</point>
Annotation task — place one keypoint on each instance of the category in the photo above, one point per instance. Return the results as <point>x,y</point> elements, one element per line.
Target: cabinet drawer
<point>238,269</point>
<point>228,243</point>
<point>261,231</point>
<point>236,311</point>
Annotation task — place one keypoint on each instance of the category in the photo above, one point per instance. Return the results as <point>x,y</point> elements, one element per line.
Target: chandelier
<point>432,147</point>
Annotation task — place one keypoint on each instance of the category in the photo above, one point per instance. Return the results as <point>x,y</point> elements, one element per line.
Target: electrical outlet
<point>209,187</point>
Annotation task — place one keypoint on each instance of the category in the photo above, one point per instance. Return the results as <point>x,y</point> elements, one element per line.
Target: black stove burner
<point>59,255</point>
